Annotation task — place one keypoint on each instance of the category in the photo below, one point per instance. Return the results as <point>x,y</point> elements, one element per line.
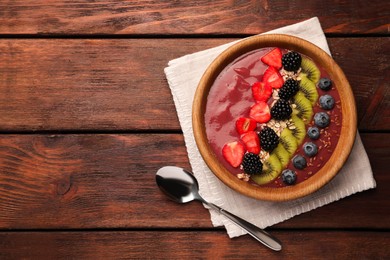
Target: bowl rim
<point>348,127</point>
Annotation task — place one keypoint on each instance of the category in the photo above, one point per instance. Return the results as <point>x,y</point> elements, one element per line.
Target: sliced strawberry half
<point>251,141</point>
<point>273,58</point>
<point>233,153</point>
<point>260,112</point>
<point>245,124</point>
<point>273,78</point>
<point>261,91</point>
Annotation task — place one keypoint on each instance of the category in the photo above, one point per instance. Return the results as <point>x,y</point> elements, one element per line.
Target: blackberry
<point>289,89</point>
<point>291,61</point>
<point>252,164</point>
<point>281,110</point>
<point>268,139</point>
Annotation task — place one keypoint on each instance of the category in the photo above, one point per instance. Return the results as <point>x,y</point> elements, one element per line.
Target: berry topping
<point>310,149</point>
<point>244,124</point>
<point>233,153</point>
<point>321,119</point>
<point>281,110</point>
<point>299,162</point>
<point>289,89</point>
<point>289,177</point>
<point>273,58</point>
<point>273,78</point>
<point>252,164</point>
<point>313,132</point>
<point>327,102</point>
<point>261,91</point>
<point>325,84</point>
<point>268,139</point>
<point>260,112</point>
<point>291,61</point>
<point>251,141</point>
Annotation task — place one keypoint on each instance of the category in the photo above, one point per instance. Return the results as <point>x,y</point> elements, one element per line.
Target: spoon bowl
<point>181,190</point>
<point>181,186</point>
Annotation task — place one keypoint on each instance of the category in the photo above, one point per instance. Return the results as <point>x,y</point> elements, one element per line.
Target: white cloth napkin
<point>183,75</point>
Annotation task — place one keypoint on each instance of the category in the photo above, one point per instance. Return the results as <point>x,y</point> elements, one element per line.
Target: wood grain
<point>188,17</point>
<point>108,181</point>
<point>70,70</point>
<point>373,112</point>
<point>189,245</point>
<point>65,84</point>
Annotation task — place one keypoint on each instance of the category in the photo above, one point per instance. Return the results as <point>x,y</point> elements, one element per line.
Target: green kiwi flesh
<point>288,141</point>
<point>309,89</point>
<point>310,69</point>
<point>303,108</point>
<point>282,154</point>
<point>299,130</point>
<point>271,169</point>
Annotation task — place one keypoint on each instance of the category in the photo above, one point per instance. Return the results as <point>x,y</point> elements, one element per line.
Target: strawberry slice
<point>273,78</point>
<point>252,142</point>
<point>261,91</point>
<point>273,58</point>
<point>233,153</point>
<point>260,112</point>
<point>244,124</point>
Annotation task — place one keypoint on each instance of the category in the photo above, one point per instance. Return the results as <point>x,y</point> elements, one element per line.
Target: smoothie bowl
<point>274,117</point>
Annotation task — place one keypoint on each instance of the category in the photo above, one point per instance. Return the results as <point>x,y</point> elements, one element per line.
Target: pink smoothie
<point>230,97</point>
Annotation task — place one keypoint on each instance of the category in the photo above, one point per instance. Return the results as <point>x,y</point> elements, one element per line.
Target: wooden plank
<point>57,84</point>
<point>189,245</point>
<point>187,17</point>
<point>108,181</point>
<point>372,93</point>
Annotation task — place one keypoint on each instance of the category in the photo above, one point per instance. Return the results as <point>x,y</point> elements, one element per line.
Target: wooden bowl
<point>348,110</point>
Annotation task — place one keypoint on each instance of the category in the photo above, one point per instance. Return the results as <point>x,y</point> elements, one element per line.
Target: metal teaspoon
<point>182,187</point>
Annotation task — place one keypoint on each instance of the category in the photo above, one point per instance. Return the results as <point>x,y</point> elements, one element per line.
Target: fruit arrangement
<point>279,135</point>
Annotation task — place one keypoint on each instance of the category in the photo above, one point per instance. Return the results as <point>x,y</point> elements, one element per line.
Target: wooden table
<point>87,118</point>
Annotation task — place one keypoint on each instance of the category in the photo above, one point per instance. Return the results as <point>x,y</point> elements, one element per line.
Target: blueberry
<point>321,119</point>
<point>325,84</point>
<point>313,132</point>
<point>289,177</point>
<point>299,162</point>
<point>327,102</point>
<point>310,149</point>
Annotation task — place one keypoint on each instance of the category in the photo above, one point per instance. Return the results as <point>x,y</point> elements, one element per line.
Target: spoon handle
<point>256,232</point>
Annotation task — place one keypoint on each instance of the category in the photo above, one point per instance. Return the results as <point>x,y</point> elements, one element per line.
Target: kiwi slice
<point>282,154</point>
<point>310,69</point>
<point>288,141</point>
<point>299,131</point>
<point>271,169</point>
<point>307,87</point>
<point>302,108</point>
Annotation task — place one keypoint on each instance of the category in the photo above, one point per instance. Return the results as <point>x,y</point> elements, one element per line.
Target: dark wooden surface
<point>86,119</point>
<point>204,17</point>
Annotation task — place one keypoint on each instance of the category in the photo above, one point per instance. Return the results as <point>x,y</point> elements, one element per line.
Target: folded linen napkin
<point>183,75</point>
